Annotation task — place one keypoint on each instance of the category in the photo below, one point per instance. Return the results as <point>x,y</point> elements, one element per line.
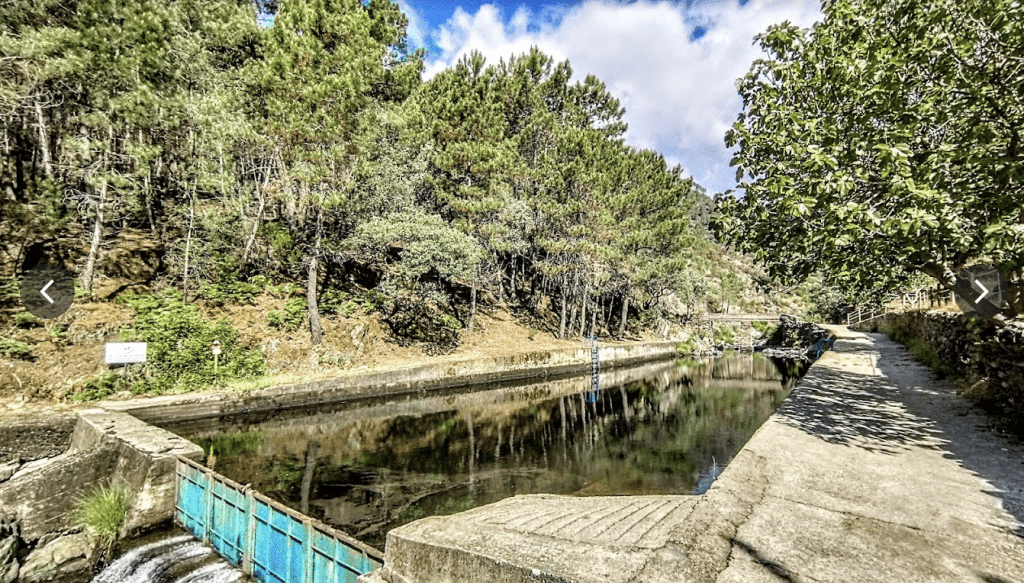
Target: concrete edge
<point>388,383</point>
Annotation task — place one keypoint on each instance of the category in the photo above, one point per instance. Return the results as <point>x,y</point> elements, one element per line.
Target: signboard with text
<point>124,352</point>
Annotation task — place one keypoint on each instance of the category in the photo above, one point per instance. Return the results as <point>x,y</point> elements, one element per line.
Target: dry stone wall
<point>988,356</point>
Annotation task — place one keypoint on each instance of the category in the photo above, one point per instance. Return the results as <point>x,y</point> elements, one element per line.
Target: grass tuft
<point>103,511</point>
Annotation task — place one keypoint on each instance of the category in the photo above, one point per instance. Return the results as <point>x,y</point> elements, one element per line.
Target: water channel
<point>366,467</point>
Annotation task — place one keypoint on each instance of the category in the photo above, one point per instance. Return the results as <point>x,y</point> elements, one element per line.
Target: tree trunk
<point>312,448</point>
<point>593,321</point>
<point>255,226</point>
<point>44,141</point>
<point>97,236</point>
<point>316,331</point>
<point>625,313</point>
<point>572,317</point>
<point>188,242</point>
<point>583,310</point>
<point>561,326</point>
<point>472,306</point>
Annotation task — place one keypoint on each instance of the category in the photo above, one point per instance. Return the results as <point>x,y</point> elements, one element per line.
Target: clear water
<point>365,468</point>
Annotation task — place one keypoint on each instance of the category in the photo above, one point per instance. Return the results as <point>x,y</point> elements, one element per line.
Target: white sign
<point>125,352</point>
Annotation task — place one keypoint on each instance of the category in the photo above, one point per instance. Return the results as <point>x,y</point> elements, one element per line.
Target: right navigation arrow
<point>984,291</point>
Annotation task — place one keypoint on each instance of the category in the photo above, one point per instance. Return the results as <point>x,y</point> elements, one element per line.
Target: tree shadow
<point>777,569</point>
<point>856,410</point>
<point>990,578</point>
<point>907,407</point>
<point>968,437</point>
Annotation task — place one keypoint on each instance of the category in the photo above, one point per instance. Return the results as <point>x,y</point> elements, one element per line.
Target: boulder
<point>9,567</point>
<point>62,556</point>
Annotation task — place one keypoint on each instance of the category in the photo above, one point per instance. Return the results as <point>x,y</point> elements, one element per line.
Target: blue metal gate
<point>270,541</point>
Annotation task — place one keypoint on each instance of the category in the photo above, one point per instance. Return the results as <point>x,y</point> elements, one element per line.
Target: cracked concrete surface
<point>871,470</point>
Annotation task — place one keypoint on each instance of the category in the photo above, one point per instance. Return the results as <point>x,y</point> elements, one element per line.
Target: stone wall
<point>988,356</point>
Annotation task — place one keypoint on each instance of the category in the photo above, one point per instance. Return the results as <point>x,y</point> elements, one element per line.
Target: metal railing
<point>268,540</point>
<point>921,299</point>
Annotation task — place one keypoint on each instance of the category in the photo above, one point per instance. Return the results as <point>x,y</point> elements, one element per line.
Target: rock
<point>8,468</point>
<point>9,567</point>
<point>63,555</point>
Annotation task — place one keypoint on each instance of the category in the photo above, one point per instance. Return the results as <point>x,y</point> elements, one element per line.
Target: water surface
<point>661,428</point>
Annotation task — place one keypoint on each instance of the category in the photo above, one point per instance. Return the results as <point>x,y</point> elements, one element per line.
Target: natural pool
<point>367,467</point>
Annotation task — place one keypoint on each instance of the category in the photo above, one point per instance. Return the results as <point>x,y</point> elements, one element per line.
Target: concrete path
<point>870,471</point>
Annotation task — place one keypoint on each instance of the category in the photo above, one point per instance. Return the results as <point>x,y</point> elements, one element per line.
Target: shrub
<point>103,511</point>
<point>98,387</point>
<point>349,309</point>
<point>765,328</point>
<point>239,292</point>
<point>688,346</point>
<point>25,320</point>
<point>291,317</point>
<point>15,349</point>
<point>179,345</point>
<point>725,334</point>
<point>332,301</point>
<point>9,291</point>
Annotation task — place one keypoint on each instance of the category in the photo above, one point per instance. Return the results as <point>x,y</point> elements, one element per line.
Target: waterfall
<point>180,559</point>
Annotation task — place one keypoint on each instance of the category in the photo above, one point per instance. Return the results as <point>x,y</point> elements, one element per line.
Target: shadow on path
<point>857,410</point>
<point>907,407</point>
<point>968,434</point>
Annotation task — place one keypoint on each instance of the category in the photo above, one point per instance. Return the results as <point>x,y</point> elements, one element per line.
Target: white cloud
<point>679,94</point>
<point>418,25</point>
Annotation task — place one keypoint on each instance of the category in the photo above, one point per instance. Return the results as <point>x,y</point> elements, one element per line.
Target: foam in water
<point>153,562</point>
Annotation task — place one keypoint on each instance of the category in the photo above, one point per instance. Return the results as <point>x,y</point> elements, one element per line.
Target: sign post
<point>215,349</point>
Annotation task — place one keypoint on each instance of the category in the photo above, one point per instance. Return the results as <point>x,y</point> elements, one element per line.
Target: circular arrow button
<point>47,291</point>
<point>981,290</point>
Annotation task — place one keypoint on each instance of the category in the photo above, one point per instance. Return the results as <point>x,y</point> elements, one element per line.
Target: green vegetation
<point>103,511</point>
<point>725,334</point>
<point>291,317</point>
<point>25,320</point>
<point>15,348</point>
<point>179,356</point>
<point>99,387</point>
<point>765,328</point>
<point>688,346</point>
<point>879,147</point>
<point>311,154</point>
<point>921,351</point>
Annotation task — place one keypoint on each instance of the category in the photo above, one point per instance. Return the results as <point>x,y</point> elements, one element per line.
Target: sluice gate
<point>267,540</point>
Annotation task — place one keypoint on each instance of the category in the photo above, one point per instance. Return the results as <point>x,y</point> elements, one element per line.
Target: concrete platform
<point>870,471</point>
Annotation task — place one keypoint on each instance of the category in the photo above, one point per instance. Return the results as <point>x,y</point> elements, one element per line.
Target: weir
<point>180,559</point>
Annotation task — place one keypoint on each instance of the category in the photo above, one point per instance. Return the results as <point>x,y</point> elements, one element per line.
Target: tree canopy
<point>883,142</point>
<point>309,149</point>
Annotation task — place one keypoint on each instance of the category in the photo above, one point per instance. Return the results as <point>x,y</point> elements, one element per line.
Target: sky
<point>673,65</point>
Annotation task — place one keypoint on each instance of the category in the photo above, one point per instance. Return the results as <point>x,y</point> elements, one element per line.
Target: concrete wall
<point>180,408</point>
<point>144,460</point>
<point>105,446</point>
<point>989,357</point>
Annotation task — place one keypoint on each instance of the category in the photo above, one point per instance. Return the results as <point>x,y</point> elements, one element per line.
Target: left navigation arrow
<point>43,291</point>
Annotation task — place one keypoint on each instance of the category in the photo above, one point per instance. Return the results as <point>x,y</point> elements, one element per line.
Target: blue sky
<point>672,64</point>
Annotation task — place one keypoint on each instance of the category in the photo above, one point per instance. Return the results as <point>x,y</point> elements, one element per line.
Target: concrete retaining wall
<point>180,408</point>
<point>105,446</point>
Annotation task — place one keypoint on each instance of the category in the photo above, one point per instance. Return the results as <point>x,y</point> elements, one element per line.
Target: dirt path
<point>967,433</point>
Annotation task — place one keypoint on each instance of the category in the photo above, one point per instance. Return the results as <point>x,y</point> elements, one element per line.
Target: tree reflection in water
<point>663,428</point>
